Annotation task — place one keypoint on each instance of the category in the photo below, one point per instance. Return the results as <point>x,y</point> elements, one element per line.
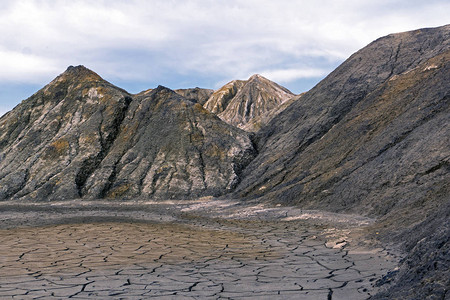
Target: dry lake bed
<point>184,250</point>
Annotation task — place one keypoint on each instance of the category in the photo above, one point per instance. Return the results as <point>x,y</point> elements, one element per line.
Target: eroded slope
<point>52,142</point>
<point>365,134</point>
<point>81,137</point>
<point>170,147</point>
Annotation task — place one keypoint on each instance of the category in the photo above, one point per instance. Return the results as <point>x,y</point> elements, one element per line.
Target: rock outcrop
<point>240,102</point>
<point>81,137</point>
<point>424,272</point>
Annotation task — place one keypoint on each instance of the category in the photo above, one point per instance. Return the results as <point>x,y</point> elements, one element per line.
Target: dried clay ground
<point>184,250</point>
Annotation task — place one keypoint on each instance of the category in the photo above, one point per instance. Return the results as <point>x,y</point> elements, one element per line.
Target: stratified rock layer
<point>83,137</point>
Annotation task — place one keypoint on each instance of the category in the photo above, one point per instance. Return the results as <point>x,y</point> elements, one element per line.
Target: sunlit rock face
<point>241,103</point>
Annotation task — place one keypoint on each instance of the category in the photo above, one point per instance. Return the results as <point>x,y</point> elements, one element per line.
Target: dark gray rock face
<point>81,137</point>
<point>196,95</point>
<point>424,273</point>
<point>336,146</point>
<point>244,103</point>
<point>372,138</point>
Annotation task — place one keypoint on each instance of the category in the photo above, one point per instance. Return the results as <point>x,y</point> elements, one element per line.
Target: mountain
<point>372,138</point>
<point>169,147</point>
<point>240,102</point>
<point>49,142</point>
<point>81,137</point>
<point>340,141</point>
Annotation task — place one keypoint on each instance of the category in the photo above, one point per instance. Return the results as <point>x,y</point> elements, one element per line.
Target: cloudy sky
<point>187,43</point>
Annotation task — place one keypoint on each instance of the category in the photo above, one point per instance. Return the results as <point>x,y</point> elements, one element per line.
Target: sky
<point>139,44</point>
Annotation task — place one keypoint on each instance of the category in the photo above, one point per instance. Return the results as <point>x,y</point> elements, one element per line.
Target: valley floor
<point>183,250</point>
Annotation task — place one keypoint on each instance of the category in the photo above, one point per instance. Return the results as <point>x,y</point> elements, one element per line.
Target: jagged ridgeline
<point>82,137</point>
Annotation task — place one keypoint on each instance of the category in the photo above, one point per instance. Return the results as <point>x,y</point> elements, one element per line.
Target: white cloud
<point>289,75</point>
<point>148,41</point>
<point>24,67</point>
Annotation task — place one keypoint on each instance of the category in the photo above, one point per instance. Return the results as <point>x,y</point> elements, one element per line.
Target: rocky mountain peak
<point>77,69</point>
<point>162,89</point>
<point>251,99</point>
<point>75,83</point>
<point>256,77</point>
<point>164,98</point>
<point>80,73</point>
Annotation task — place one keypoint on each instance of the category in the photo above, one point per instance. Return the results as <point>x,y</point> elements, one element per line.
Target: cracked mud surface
<point>155,251</point>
